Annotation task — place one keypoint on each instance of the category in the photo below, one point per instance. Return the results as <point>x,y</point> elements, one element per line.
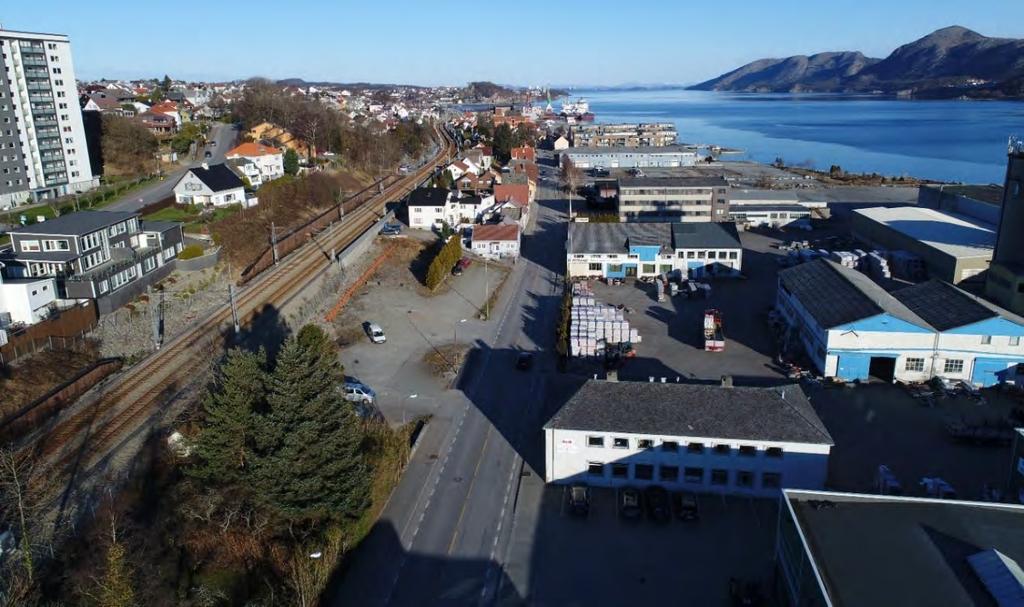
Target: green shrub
<point>191,251</point>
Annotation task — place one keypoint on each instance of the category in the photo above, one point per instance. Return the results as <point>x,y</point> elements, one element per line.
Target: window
<point>954,365</point>
<point>670,446</point>
<point>594,267</point>
<point>643,472</point>
<point>723,449</point>
<point>615,267</point>
<point>744,478</point>
<point>712,255</point>
<point>648,268</point>
<point>668,473</point>
<point>1015,341</point>
<point>644,443</point>
<point>595,469</point>
<point>693,475</point>
<point>986,340</point>
<point>771,480</point>
<point>620,443</point>
<point>719,477</point>
<point>620,470</point>
<point>695,448</point>
<point>775,452</point>
<point>914,364</point>
<point>748,451</point>
<point>733,255</point>
<point>595,441</point>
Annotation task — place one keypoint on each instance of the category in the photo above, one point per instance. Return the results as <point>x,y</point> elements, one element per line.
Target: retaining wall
<point>199,263</point>
<point>351,254</point>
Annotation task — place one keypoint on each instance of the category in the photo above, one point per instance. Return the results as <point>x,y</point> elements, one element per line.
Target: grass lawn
<point>194,219</point>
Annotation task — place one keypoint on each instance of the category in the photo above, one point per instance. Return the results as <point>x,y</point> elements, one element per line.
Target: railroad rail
<point>75,443</point>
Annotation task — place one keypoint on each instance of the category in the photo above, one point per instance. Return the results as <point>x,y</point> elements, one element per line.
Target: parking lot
<point>416,323</point>
<point>603,559</point>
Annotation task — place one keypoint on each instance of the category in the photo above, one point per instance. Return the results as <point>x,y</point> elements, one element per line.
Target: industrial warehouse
<point>852,329</point>
<point>705,438</point>
<point>604,157</point>
<point>641,250</point>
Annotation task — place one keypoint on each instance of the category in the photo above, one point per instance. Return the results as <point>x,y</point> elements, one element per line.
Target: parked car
<point>579,500</point>
<point>684,505</point>
<point>391,229</point>
<point>461,265</point>
<point>656,498</point>
<point>630,503</point>
<point>356,392</point>
<point>375,333</point>
<point>524,361</point>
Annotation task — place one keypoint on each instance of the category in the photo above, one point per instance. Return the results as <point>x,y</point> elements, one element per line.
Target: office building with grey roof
<point>706,438</point>
<point>642,250</point>
<point>854,330</point>
<point>858,549</point>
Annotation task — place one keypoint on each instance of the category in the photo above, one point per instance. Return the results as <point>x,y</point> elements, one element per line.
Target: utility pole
<point>234,310</point>
<point>273,242</point>
<point>154,316</point>
<point>487,293</point>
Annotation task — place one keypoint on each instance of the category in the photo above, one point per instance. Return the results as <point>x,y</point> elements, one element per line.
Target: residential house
<point>525,152</point>
<point>496,241</point>
<point>106,256</point>
<point>168,108</point>
<point>25,301</point>
<point>268,161</point>
<point>268,132</point>
<point>561,143</point>
<point>213,185</point>
<point>430,208</point>
<point>160,125</point>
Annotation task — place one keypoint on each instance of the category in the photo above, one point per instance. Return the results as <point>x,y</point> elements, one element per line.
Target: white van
<point>376,333</point>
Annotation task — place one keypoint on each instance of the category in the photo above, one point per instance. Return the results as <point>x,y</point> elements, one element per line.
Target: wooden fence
<point>63,330</point>
<point>298,236</point>
<point>36,413</point>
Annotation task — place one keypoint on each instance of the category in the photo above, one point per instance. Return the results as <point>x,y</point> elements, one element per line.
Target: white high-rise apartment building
<point>43,151</point>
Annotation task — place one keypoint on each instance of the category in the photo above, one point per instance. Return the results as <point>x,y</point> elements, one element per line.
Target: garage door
<point>853,366</point>
<point>988,372</point>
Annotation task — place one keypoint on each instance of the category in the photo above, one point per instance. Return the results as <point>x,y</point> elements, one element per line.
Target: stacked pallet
<point>848,259</point>
<point>878,265</point>
<point>593,325</point>
<point>908,266</point>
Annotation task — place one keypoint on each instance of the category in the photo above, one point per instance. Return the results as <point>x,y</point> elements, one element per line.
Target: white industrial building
<point>771,208</point>
<point>852,329</point>
<point>670,156</point>
<point>704,438</point>
<point>638,250</point>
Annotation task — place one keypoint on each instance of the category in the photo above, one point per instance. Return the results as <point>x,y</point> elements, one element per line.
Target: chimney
<point>206,166</point>
<point>612,375</point>
<point>727,381</point>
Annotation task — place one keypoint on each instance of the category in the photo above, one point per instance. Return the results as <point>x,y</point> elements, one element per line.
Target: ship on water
<point>577,110</point>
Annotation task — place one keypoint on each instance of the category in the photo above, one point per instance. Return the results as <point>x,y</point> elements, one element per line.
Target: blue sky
<point>445,42</point>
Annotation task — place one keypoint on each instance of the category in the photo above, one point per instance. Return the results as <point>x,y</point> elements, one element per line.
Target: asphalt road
<point>224,135</point>
<point>446,527</point>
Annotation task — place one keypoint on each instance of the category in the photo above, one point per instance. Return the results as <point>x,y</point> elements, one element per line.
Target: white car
<point>376,333</point>
<point>356,392</point>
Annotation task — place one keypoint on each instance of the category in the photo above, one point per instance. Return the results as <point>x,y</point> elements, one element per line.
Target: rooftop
<point>159,226</point>
<point>496,232</point>
<point>951,234</point>
<point>617,237</point>
<point>251,149</point>
<point>885,550</point>
<point>836,295</point>
<point>646,149</point>
<point>693,410</point>
<point>945,306</point>
<point>706,234</point>
<point>741,196</point>
<point>673,182</point>
<point>217,177</point>
<point>992,194</point>
<point>76,224</point>
<point>429,197</point>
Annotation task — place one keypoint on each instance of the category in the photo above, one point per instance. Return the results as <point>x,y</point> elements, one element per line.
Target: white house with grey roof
<point>703,438</point>
<point>640,250</point>
<point>853,329</point>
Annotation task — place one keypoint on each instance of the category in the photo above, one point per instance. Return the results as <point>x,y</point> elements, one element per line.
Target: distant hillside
<point>950,62</point>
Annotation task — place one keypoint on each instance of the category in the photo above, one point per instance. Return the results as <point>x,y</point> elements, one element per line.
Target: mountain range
<point>950,62</point>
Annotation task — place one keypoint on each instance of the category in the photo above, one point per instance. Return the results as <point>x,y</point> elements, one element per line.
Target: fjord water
<point>950,140</point>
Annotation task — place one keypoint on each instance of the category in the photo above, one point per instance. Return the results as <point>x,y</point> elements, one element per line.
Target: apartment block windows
<point>595,469</point>
<point>620,470</point>
<point>695,448</point>
<point>914,364</point>
<point>1015,341</point>
<point>693,475</point>
<point>771,480</point>
<point>719,477</point>
<point>748,451</point>
<point>595,441</point>
<point>594,267</point>
<point>670,446</point>
<point>953,365</point>
<point>620,443</point>
<point>668,473</point>
<point>644,443</point>
<point>643,472</point>
<point>722,450</point>
<point>774,452</point>
<point>986,340</point>
<point>744,479</point>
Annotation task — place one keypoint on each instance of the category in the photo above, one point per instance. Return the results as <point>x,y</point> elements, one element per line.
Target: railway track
<point>76,442</point>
